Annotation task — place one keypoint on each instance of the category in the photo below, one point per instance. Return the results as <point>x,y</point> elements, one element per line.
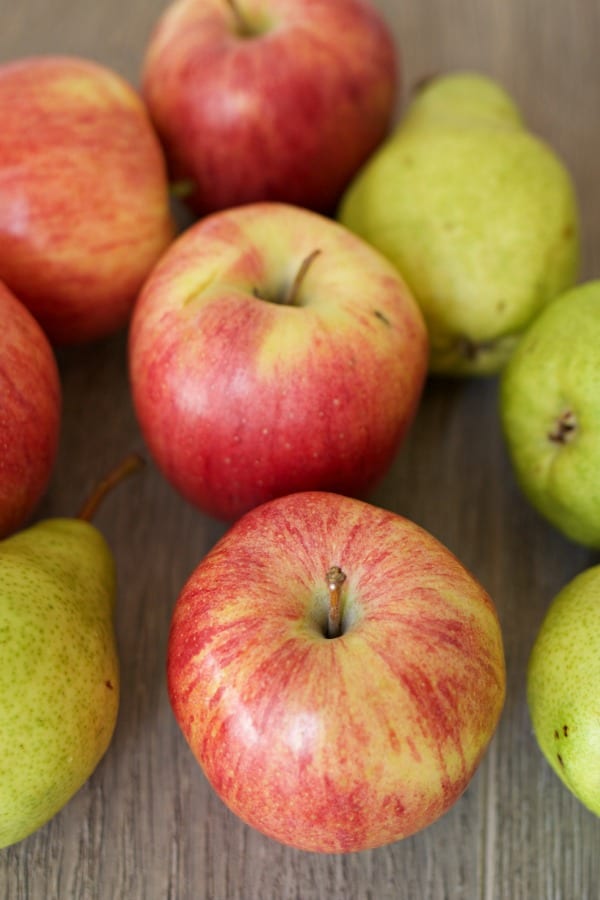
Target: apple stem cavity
<point>292,295</point>
<point>335,579</point>
<point>128,466</point>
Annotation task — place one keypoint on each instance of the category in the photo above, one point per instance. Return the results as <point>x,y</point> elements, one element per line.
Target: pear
<point>563,687</point>
<point>59,667</point>
<point>550,413</point>
<point>479,215</point>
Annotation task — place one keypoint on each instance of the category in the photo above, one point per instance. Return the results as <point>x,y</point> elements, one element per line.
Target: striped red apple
<point>273,351</point>
<point>30,411</point>
<point>84,202</point>
<point>336,671</point>
<point>270,99</point>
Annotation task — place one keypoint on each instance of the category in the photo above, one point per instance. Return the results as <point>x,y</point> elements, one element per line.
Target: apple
<point>84,201</point>
<point>336,671</point>
<point>550,413</point>
<point>270,99</point>
<point>30,411</point>
<point>273,351</point>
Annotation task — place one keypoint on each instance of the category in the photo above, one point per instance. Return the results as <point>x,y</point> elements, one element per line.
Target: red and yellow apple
<point>272,351</point>
<point>84,202</point>
<point>336,671</point>
<point>270,99</point>
<point>30,410</point>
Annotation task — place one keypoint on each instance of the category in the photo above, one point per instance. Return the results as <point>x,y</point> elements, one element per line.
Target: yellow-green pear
<point>563,687</point>
<point>550,413</point>
<point>59,668</point>
<point>479,215</point>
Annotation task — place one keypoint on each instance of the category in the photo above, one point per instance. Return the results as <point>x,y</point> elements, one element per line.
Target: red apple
<point>272,351</point>
<point>270,99</point>
<point>335,735</point>
<point>84,204</point>
<point>30,408</point>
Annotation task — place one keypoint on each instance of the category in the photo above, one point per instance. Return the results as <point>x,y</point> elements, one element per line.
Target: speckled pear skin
<point>59,671</point>
<point>550,412</point>
<point>563,687</point>
<point>479,215</point>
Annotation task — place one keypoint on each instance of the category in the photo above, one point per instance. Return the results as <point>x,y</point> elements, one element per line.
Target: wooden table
<point>147,826</point>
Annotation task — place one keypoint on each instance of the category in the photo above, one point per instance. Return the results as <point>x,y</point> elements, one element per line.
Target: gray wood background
<point>147,825</point>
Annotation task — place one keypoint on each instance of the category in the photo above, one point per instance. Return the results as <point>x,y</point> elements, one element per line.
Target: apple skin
<point>30,412</point>
<point>84,202</point>
<point>335,744</point>
<point>241,399</point>
<point>288,111</point>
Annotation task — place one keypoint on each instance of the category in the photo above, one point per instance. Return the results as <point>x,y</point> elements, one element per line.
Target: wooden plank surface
<point>147,826</point>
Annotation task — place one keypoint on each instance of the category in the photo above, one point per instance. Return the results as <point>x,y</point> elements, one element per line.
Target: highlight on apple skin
<point>30,412</point>
<point>273,351</point>
<point>335,741</point>
<point>278,100</point>
<point>84,196</point>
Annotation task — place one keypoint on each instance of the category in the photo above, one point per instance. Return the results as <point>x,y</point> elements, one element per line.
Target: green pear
<point>563,687</point>
<point>59,667</point>
<point>550,412</point>
<point>478,214</point>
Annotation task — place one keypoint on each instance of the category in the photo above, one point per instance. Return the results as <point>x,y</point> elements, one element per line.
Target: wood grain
<point>147,826</point>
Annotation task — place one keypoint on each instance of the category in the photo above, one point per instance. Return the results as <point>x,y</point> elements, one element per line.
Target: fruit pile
<point>278,348</point>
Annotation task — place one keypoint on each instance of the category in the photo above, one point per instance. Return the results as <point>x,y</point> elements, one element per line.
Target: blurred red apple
<point>332,735</point>
<point>270,99</point>
<point>272,351</point>
<point>30,408</point>
<point>84,205</point>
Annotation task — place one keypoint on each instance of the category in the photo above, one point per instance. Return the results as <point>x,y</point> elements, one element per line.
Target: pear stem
<point>292,295</point>
<point>183,188</point>
<point>335,579</point>
<point>128,466</point>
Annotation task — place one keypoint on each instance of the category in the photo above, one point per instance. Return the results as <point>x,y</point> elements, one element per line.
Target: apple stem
<point>292,295</point>
<point>335,579</point>
<point>241,24</point>
<point>128,466</point>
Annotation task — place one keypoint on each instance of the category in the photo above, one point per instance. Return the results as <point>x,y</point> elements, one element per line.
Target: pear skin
<point>563,687</point>
<point>550,412</point>
<point>479,215</point>
<point>59,670</point>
